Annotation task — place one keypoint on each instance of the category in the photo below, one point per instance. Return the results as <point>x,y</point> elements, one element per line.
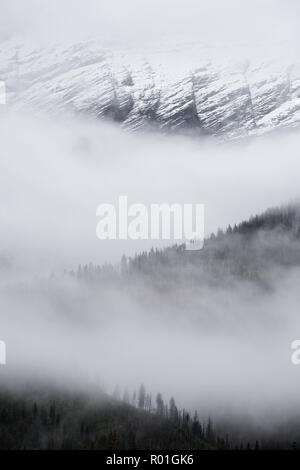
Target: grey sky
<point>135,21</point>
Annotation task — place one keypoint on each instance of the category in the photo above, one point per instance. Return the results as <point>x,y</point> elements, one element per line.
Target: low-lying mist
<point>55,173</point>
<point>214,348</point>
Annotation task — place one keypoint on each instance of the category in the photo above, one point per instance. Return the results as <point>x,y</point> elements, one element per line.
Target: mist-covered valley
<point>212,328</point>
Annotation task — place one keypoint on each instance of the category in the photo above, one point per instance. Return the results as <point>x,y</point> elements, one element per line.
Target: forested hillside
<point>64,420</point>
<point>160,287</point>
<point>248,251</point>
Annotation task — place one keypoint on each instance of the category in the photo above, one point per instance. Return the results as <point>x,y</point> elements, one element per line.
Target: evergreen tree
<point>159,404</point>
<point>142,397</point>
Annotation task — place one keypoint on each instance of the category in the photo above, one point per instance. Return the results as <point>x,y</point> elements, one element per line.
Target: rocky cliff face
<point>187,88</point>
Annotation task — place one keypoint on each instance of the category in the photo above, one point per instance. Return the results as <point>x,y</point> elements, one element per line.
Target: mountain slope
<point>73,421</point>
<point>253,251</point>
<point>187,87</point>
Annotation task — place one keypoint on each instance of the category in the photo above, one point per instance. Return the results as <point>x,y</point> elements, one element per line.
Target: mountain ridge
<point>203,93</point>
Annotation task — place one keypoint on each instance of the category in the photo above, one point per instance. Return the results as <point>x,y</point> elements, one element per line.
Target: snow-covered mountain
<point>189,87</point>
